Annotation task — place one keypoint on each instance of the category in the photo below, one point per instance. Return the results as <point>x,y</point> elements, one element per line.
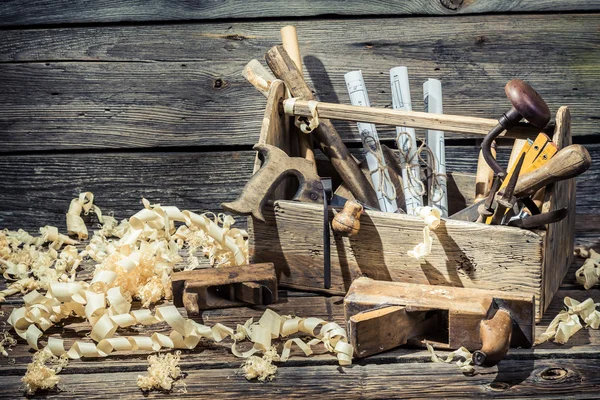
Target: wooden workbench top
<point>130,99</point>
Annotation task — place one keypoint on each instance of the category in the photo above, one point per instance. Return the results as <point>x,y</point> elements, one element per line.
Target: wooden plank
<point>181,85</point>
<point>35,190</point>
<point>557,378</point>
<point>21,12</point>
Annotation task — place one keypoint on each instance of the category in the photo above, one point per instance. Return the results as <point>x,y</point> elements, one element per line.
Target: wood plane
<point>210,288</point>
<point>383,315</point>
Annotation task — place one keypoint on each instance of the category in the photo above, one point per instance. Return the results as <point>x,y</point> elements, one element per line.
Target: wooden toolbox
<point>464,254</point>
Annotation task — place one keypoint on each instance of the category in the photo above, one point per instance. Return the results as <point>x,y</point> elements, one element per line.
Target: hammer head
<point>277,165</point>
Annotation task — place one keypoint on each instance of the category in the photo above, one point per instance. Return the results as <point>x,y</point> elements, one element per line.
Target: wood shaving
<point>465,365</point>
<point>136,262</point>
<point>42,372</point>
<point>568,322</point>
<point>431,216</point>
<point>162,372</point>
<point>6,342</point>
<point>589,273</point>
<point>261,368</point>
<point>84,203</point>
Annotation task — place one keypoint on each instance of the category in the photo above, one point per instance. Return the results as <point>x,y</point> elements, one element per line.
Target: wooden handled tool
<point>485,176</point>
<point>347,221</point>
<point>569,162</point>
<point>258,76</point>
<point>332,145</point>
<point>413,119</point>
<point>289,38</point>
<point>276,167</point>
<point>526,103</point>
<point>210,288</point>
<point>383,315</point>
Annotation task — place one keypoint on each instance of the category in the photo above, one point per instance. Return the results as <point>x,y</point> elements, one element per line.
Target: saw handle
<point>495,336</point>
<point>569,162</point>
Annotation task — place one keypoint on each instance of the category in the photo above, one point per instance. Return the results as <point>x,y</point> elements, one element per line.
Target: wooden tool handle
<point>495,336</point>
<point>485,175</point>
<point>567,163</point>
<point>332,145</point>
<point>347,221</point>
<point>289,38</point>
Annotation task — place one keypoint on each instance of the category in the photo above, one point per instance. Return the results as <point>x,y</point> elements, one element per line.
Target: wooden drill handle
<point>330,141</point>
<point>495,336</point>
<point>567,163</point>
<point>485,175</point>
<point>289,38</point>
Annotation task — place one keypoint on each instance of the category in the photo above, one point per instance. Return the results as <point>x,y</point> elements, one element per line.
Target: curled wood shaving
<point>6,342</point>
<point>29,266</point>
<point>589,273</point>
<point>568,322</point>
<point>465,365</point>
<point>42,371</point>
<point>162,372</point>
<point>432,217</point>
<point>84,203</point>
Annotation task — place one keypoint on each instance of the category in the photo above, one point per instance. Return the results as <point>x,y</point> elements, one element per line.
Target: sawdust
<point>162,372</point>
<point>261,368</point>
<point>42,372</point>
<point>6,342</point>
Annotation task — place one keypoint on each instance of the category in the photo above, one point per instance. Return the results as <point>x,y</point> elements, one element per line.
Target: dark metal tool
<point>327,191</point>
<point>535,221</point>
<point>486,207</point>
<point>506,200</point>
<point>526,103</point>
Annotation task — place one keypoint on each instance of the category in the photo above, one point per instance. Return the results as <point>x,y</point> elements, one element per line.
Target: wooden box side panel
<point>464,254</point>
<point>559,239</point>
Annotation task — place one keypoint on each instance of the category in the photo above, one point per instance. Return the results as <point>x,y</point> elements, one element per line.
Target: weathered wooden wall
<point>133,99</point>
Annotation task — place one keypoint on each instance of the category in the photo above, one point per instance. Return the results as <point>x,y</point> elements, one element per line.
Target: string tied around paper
<point>436,185</point>
<point>305,124</point>
<point>415,184</point>
<point>385,180</point>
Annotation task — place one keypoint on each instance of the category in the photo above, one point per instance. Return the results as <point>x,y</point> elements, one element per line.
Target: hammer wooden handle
<point>332,145</point>
<point>567,163</point>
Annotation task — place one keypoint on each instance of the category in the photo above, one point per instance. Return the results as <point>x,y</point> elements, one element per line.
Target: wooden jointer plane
<point>383,315</point>
<point>210,288</point>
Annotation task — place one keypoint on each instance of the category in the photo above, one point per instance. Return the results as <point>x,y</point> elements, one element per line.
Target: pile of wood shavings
<point>138,263</point>
<point>162,372</point>
<point>431,216</point>
<point>42,372</point>
<point>261,368</point>
<point>568,322</point>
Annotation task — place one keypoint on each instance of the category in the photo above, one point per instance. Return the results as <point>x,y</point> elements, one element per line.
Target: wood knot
<point>553,374</point>
<point>218,83</point>
<point>480,40</point>
<point>499,386</point>
<point>453,5</point>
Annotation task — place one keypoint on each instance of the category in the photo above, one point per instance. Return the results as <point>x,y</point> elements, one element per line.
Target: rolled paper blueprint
<point>407,142</point>
<point>386,193</point>
<point>432,96</point>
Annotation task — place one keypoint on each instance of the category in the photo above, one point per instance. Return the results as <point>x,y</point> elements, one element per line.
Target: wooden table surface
<point>132,99</point>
